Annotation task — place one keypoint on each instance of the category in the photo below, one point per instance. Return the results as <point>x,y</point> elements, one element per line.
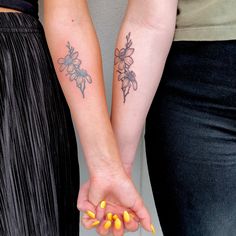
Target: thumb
<point>82,202</point>
<point>143,214</point>
<point>96,194</point>
<point>100,210</point>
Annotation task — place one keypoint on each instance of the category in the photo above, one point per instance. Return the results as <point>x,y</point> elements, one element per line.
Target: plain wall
<point>107,16</point>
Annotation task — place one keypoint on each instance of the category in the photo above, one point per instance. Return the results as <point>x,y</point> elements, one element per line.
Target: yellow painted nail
<point>126,217</point>
<point>153,229</point>
<point>90,214</point>
<point>114,217</point>
<point>103,204</point>
<point>117,224</point>
<point>131,215</point>
<point>107,225</point>
<point>109,216</point>
<point>95,223</point>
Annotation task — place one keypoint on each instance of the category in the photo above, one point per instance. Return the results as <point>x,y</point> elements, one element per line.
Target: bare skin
<point>108,180</point>
<point>77,59</point>
<point>3,9</point>
<point>151,25</point>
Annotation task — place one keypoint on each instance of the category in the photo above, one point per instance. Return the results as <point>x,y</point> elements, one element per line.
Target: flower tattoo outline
<point>124,61</point>
<point>72,65</point>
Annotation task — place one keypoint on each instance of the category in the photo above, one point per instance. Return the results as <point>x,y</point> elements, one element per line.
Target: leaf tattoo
<point>123,60</point>
<point>72,64</point>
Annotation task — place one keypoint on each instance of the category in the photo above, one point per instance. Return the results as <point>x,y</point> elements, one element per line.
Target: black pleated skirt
<point>39,172</point>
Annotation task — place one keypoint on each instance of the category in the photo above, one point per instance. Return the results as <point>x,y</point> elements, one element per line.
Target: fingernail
<point>103,204</point>
<point>117,224</point>
<point>95,223</point>
<point>131,215</point>
<point>126,217</point>
<point>91,214</point>
<point>153,229</point>
<point>107,225</point>
<point>109,216</point>
<point>114,217</point>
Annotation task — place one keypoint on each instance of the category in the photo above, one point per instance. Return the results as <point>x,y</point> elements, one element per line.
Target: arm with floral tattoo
<point>142,48</point>
<point>124,60</point>
<point>77,59</point>
<point>72,64</point>
<point>76,56</point>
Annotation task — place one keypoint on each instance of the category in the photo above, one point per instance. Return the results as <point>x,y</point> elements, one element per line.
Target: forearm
<point>76,56</point>
<point>151,34</point>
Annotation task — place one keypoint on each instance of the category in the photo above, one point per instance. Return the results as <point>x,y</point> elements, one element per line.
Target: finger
<point>143,214</point>
<point>118,228</point>
<point>109,216</point>
<point>89,223</point>
<point>133,216</point>
<point>130,223</point>
<point>101,210</point>
<point>104,228</point>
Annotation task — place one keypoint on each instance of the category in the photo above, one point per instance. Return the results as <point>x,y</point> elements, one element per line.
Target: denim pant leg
<point>191,140</point>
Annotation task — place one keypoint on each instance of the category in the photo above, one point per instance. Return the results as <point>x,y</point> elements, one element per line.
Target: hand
<point>119,192</point>
<point>111,224</point>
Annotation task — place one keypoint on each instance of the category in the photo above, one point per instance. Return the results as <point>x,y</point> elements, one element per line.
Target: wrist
<point>105,166</point>
<point>128,167</point>
<point>128,155</point>
<point>107,176</point>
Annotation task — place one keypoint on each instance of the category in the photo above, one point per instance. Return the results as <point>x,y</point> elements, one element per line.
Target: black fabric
<point>39,172</point>
<point>26,6</point>
<point>191,140</point>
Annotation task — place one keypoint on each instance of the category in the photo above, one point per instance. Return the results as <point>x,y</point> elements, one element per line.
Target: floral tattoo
<point>72,64</point>
<point>123,60</point>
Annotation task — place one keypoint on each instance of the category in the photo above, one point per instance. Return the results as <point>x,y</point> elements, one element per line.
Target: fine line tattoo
<point>72,64</point>
<point>124,61</point>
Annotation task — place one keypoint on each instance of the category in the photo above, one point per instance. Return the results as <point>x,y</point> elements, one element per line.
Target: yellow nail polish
<point>103,204</point>
<point>153,229</point>
<point>131,215</point>
<point>126,217</point>
<point>114,217</point>
<point>95,223</point>
<point>117,224</point>
<point>107,225</point>
<point>91,214</point>
<point>109,216</point>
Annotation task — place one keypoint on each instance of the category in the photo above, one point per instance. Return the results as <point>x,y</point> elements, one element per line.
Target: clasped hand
<point>112,205</point>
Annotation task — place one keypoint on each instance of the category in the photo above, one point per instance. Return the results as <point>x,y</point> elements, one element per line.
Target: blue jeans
<point>191,140</point>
